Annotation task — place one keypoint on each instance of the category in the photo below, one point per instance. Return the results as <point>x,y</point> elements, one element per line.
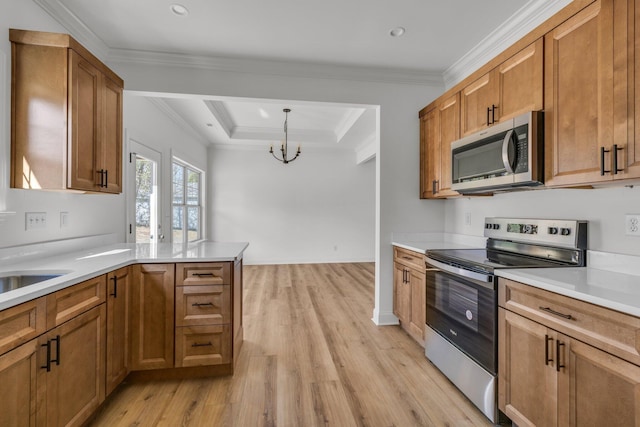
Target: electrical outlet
<point>632,225</point>
<point>35,220</point>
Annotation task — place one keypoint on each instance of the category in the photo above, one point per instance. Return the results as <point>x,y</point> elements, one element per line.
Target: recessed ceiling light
<point>179,9</point>
<point>210,125</point>
<point>397,32</point>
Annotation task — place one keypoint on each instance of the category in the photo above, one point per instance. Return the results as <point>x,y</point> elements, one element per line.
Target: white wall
<point>604,208</point>
<point>146,124</point>
<point>320,208</point>
<point>88,214</point>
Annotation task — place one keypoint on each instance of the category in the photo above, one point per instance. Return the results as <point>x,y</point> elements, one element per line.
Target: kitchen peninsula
<point>101,314</point>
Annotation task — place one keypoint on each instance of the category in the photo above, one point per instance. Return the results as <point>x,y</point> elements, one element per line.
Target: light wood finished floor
<point>311,357</point>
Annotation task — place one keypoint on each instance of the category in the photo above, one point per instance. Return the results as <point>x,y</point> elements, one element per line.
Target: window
<point>187,203</point>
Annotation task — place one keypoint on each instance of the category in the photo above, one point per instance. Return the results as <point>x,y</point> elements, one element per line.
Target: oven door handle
<point>484,280</point>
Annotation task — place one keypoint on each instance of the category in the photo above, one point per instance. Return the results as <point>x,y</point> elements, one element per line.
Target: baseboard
<point>384,319</point>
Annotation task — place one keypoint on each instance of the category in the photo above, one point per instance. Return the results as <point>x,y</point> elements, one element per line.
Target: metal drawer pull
<point>557,313</point>
<point>602,169</point>
<point>206,344</point>
<point>547,359</point>
<point>203,274</point>
<point>57,340</point>
<point>115,287</point>
<point>47,366</point>
<point>202,304</point>
<point>558,364</point>
<point>407,257</point>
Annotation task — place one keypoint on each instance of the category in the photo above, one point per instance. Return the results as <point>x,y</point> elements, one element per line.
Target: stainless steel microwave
<point>506,156</point>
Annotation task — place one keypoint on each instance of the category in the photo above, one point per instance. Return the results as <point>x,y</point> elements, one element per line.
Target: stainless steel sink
<point>9,283</point>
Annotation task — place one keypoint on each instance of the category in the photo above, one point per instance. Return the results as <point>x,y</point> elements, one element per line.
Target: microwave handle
<point>508,147</point>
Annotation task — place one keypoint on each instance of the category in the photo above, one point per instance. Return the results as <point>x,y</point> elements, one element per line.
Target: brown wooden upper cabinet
<point>590,100</point>
<point>439,127</point>
<point>66,116</point>
<point>512,88</point>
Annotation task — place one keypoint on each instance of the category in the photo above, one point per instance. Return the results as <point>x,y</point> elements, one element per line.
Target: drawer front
<point>203,274</point>
<point>74,300</point>
<point>21,323</point>
<point>203,305</point>
<point>409,258</point>
<point>203,345</point>
<point>614,332</point>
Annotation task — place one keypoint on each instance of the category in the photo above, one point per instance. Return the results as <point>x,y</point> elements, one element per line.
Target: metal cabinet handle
<point>57,359</point>
<point>47,365</point>
<point>106,178</point>
<point>202,304</point>
<point>556,313</point>
<point>615,158</point>
<point>203,274</point>
<point>602,169</point>
<point>558,364</point>
<point>407,257</point>
<point>547,359</point>
<point>206,344</point>
<point>493,113</point>
<point>115,287</point>
<point>488,112</point>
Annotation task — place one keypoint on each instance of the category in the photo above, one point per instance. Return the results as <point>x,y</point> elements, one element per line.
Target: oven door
<point>462,307</point>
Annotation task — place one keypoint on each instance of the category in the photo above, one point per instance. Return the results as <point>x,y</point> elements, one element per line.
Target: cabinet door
<point>527,377</point>
<point>417,281</point>
<point>19,372</point>
<point>520,82</point>
<point>630,157</point>
<point>401,293</point>
<point>429,154</point>
<point>449,131</point>
<point>152,316</point>
<point>118,337</point>
<point>579,97</point>
<point>596,388</point>
<point>111,141</point>
<point>477,100</point>
<point>84,123</point>
<point>75,383</point>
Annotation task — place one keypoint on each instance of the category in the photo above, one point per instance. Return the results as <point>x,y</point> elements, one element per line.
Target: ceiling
<point>353,33</point>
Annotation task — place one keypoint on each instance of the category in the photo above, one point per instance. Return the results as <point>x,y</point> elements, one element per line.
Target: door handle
<point>115,287</point>
<point>47,365</point>
<point>558,364</point>
<point>509,151</point>
<point>602,169</point>
<point>547,338</point>
<point>57,359</point>
<point>615,158</point>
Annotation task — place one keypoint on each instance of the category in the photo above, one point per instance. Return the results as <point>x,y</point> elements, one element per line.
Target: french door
<point>144,194</point>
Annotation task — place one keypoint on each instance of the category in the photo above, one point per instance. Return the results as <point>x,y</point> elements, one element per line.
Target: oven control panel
<point>566,233</point>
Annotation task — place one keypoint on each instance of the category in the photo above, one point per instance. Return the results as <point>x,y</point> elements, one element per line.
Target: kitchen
<point>397,167</point>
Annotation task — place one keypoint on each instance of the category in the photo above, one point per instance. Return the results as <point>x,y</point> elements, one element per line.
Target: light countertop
<point>614,290</point>
<point>78,266</point>
<point>422,242</point>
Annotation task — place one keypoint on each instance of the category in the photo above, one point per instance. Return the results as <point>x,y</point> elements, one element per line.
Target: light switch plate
<point>35,220</point>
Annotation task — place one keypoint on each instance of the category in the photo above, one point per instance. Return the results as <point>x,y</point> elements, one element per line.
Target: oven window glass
<point>458,301</point>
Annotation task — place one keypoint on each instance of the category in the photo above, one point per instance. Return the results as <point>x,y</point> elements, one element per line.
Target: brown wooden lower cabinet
<point>75,380</point>
<point>547,378</point>
<point>409,292</point>
<point>118,326</point>
<point>19,391</point>
<point>152,312</point>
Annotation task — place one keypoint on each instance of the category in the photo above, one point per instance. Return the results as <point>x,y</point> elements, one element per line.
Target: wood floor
<point>311,357</point>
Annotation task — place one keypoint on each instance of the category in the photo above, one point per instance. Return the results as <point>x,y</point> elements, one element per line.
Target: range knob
<point>496,226</point>
<point>565,231</point>
<point>553,230</point>
<point>488,226</point>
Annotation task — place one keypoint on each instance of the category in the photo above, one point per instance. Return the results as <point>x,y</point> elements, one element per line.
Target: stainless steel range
<point>461,333</point>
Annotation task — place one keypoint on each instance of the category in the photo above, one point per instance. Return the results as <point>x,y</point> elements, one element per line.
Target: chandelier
<point>284,146</point>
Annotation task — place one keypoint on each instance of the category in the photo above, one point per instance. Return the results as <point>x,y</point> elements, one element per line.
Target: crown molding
<point>75,27</point>
<point>278,68</point>
<point>367,150</point>
<point>347,122</point>
<point>166,109</point>
<point>532,14</point>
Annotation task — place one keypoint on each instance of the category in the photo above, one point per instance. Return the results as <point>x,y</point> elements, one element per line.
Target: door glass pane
<point>178,184</point>
<point>193,220</point>
<point>178,224</point>
<point>193,187</point>
<point>145,208</point>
